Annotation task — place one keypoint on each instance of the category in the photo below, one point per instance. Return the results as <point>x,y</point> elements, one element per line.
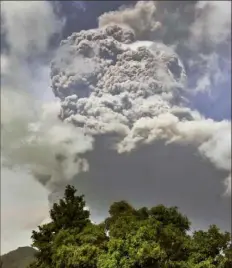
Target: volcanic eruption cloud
<point>127,128</point>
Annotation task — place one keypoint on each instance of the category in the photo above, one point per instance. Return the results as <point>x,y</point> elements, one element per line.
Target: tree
<point>79,249</point>
<point>68,214</point>
<point>170,216</point>
<point>128,238</point>
<point>211,244</point>
<point>145,238</point>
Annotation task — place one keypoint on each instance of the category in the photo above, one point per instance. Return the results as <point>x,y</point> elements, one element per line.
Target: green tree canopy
<point>129,238</point>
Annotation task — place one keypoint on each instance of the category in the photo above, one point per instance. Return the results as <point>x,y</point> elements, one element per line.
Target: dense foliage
<point>129,238</point>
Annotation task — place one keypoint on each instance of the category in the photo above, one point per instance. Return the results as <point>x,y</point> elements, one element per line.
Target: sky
<point>122,154</point>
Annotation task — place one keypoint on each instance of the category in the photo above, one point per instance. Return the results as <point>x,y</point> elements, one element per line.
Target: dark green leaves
<point>128,238</point>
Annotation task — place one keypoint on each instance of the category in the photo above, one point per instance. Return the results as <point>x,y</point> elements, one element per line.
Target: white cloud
<point>29,26</point>
<point>213,23</point>
<point>23,206</point>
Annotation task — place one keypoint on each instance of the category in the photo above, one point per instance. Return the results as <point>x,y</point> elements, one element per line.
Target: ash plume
<point>135,90</point>
<point>141,19</point>
<point>199,31</point>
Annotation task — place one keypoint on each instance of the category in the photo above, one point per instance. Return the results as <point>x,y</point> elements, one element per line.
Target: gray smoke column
<point>134,92</point>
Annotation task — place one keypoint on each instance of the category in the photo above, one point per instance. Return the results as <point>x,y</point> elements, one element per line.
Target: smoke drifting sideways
<point>32,136</point>
<point>125,117</point>
<point>199,31</point>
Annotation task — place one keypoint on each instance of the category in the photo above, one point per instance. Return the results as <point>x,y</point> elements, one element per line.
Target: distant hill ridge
<point>19,258</point>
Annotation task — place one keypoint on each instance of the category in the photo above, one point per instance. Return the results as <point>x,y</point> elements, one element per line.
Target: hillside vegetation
<point>19,258</point>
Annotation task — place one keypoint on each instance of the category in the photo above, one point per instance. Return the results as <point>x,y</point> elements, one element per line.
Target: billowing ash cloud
<point>129,85</point>
<point>133,90</point>
<point>141,19</point>
<point>200,31</point>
